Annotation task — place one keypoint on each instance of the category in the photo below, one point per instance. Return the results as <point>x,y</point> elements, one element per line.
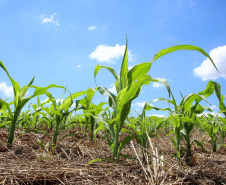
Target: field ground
<point>29,162</point>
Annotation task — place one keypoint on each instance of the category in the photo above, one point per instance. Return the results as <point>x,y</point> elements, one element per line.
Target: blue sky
<point>62,42</point>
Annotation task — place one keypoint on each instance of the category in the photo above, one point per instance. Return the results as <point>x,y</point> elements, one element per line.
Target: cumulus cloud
<point>138,104</point>
<point>158,115</point>
<point>59,100</point>
<point>212,113</point>
<point>130,67</point>
<point>206,70</point>
<point>92,28</point>
<point>78,66</point>
<point>45,19</point>
<point>108,54</point>
<point>112,89</point>
<point>45,100</point>
<point>157,84</point>
<point>213,107</point>
<point>7,90</point>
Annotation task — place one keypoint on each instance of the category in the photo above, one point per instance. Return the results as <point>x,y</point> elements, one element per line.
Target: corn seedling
<point>61,110</point>
<point>20,101</point>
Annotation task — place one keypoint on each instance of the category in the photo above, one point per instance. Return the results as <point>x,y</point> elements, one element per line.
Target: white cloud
<point>206,70</point>
<point>138,104</point>
<point>112,89</point>
<point>158,115</point>
<point>59,100</point>
<point>214,107</point>
<point>7,90</point>
<point>130,67</point>
<point>78,66</point>
<point>50,19</point>
<point>108,54</point>
<point>212,113</point>
<point>45,100</point>
<point>157,84</point>
<point>92,28</point>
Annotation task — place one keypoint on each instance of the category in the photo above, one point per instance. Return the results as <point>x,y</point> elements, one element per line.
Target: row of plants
<point>115,120</point>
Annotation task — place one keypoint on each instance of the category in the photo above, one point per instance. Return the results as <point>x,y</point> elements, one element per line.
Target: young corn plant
<point>211,125</point>
<point>62,110</point>
<point>222,130</point>
<point>5,120</point>
<point>90,115</point>
<point>128,85</point>
<point>185,115</point>
<point>20,101</point>
<point>33,117</point>
<point>88,110</point>
<point>142,127</point>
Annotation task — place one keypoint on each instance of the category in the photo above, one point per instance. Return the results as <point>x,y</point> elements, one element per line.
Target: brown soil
<point>30,162</point>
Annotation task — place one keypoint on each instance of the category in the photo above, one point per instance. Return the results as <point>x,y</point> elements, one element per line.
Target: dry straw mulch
<point>30,162</point>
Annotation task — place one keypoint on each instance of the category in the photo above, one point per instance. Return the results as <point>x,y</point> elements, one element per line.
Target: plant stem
<point>115,150</point>
<point>12,129</point>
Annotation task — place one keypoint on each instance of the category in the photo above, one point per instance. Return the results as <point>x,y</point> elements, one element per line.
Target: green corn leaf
<point>143,113</point>
<point>173,140</point>
<point>111,96</point>
<point>89,96</point>
<point>93,161</point>
<point>98,67</point>
<point>2,125</point>
<point>176,121</point>
<point>126,130</point>
<point>182,47</point>
<point>164,82</point>
<point>69,100</point>
<point>53,111</point>
<point>23,90</point>
<point>16,86</point>
<point>162,99</point>
<point>189,120</point>
<point>125,142</point>
<point>53,100</point>
<point>215,129</point>
<point>207,91</point>
<point>189,99</point>
<point>199,109</point>
<point>200,144</point>
<point>137,71</point>
<point>100,127</point>
<point>149,107</point>
<point>220,97</point>
<point>39,102</point>
<point>6,106</point>
<point>217,88</point>
<point>135,129</point>
<point>129,157</point>
<point>123,80</point>
<point>125,97</point>
<point>42,90</point>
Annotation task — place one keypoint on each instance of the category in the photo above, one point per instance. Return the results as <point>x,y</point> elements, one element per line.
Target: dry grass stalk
<point>145,172</point>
